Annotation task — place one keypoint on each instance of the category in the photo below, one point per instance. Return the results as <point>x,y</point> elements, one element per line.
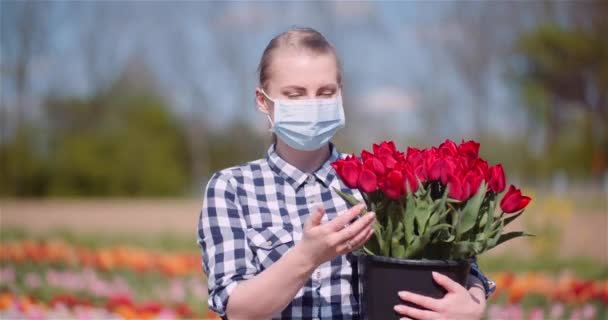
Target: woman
<point>276,242</point>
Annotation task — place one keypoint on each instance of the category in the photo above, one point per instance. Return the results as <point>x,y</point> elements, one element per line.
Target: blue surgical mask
<point>307,124</point>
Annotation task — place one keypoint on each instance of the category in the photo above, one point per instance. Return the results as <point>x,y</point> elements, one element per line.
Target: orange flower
<point>126,312</point>
<point>104,259</point>
<point>6,300</point>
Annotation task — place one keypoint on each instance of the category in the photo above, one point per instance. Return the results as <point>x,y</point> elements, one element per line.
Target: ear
<point>263,104</point>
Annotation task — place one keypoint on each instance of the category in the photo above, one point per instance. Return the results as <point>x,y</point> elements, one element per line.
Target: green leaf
<point>449,239</point>
<point>465,249</point>
<point>349,198</point>
<point>491,243</point>
<point>443,226</point>
<point>484,220</point>
<point>491,212</point>
<point>368,251</point>
<point>388,234</point>
<point>408,219</point>
<point>397,248</point>
<point>469,213</point>
<point>513,217</point>
<point>379,235</point>
<point>422,214</point>
<point>414,248</point>
<point>511,235</point>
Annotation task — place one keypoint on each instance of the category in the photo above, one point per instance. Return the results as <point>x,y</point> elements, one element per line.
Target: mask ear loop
<point>271,129</point>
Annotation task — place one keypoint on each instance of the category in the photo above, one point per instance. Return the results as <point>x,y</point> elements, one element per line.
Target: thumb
<point>315,218</point>
<point>448,284</point>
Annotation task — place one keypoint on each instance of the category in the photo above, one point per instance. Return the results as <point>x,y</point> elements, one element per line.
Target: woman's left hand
<point>457,304</point>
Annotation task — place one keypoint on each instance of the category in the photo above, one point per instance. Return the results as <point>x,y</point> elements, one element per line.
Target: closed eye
<point>294,96</point>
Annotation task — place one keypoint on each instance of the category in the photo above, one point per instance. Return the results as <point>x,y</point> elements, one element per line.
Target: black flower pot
<point>382,278</point>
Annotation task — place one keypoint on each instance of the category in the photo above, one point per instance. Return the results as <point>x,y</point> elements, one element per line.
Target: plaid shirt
<point>253,213</point>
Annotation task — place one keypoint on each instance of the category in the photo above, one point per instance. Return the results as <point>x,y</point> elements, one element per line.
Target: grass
<point>158,241</point>
<point>584,267</point>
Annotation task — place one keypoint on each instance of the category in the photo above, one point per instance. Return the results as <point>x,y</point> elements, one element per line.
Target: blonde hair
<point>298,38</point>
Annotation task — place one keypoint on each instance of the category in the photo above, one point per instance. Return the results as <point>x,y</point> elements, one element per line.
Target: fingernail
<point>371,214</point>
<point>402,294</point>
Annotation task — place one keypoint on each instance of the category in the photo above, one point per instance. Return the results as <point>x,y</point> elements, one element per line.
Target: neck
<point>306,161</point>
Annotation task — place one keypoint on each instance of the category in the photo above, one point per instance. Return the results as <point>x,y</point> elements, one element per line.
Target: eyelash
<point>327,94</point>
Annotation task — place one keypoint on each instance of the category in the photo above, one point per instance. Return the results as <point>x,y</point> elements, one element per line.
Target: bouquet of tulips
<point>436,203</point>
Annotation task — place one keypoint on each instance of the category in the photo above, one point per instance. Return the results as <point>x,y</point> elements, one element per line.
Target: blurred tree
<point>563,72</point>
<point>121,142</point>
<point>23,171</point>
<point>24,38</point>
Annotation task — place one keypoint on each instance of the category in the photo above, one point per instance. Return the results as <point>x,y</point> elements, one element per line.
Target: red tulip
<point>470,184</point>
<point>482,167</point>
<point>183,310</point>
<point>375,165</point>
<point>496,178</point>
<point>409,178</point>
<point>150,307</point>
<point>388,161</point>
<point>513,201</point>
<point>455,188</point>
<point>368,181</point>
<point>469,149</point>
<point>413,156</point>
<point>392,187</point>
<point>420,172</point>
<point>348,170</point>
<point>366,155</point>
<point>386,147</point>
<point>440,170</point>
<point>448,148</point>
<point>117,301</point>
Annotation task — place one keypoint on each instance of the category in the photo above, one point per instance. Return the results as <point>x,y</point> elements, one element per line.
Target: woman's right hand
<point>323,242</point>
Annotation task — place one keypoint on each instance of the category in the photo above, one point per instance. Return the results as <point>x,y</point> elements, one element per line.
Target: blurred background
<point>113,115</point>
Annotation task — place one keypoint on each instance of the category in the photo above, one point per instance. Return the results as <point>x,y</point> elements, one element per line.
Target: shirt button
<point>318,275</point>
<point>311,200</point>
<point>311,178</point>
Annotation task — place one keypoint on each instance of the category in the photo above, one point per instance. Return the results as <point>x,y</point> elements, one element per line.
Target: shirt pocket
<point>269,244</point>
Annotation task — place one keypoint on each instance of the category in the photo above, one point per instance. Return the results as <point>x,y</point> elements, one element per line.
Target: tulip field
<point>92,273</point>
<point>53,278</point>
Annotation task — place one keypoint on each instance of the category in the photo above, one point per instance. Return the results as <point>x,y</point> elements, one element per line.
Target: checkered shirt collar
<point>296,177</point>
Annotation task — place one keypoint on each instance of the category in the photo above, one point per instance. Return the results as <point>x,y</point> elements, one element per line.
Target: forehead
<point>302,68</point>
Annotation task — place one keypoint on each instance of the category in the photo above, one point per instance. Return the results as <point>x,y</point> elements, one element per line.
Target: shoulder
<point>231,177</point>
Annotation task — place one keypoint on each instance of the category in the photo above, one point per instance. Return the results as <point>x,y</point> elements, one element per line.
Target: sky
<point>205,55</point>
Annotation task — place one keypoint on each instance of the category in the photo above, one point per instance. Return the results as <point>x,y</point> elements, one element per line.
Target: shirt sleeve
<point>488,285</point>
<point>227,257</point>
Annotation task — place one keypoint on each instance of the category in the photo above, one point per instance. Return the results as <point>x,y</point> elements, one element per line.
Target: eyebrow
<point>298,88</point>
<point>328,87</point>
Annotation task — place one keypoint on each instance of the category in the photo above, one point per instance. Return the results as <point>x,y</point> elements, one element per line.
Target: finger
<point>344,248</point>
<point>415,313</point>
<point>447,283</point>
<point>423,301</point>
<point>348,215</point>
<point>367,236</point>
<point>355,242</point>
<point>315,218</point>
<point>356,228</point>
<point>362,236</point>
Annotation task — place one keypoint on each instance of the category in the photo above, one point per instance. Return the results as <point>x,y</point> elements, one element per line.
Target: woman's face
<point>299,75</point>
